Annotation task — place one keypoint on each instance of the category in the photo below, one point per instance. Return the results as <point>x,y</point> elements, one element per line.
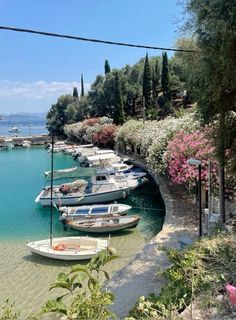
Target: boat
<point>68,248</point>
<point>8,144</point>
<point>14,129</point>
<point>61,172</point>
<point>91,152</point>
<point>120,169</point>
<point>103,225</point>
<point>26,144</point>
<point>93,211</point>
<point>99,189</point>
<point>100,160</point>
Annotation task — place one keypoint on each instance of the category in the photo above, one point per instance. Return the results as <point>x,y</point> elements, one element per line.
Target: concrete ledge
<point>139,277</point>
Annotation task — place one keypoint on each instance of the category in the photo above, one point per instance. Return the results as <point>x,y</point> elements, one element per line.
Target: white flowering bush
<point>106,120</point>
<point>167,129</point>
<point>130,133</point>
<point>152,137</point>
<point>74,130</point>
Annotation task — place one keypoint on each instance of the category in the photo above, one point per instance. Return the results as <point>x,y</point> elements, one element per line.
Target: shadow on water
<point>119,233</point>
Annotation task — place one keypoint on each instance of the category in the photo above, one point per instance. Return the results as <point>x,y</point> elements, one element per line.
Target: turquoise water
<point>25,278</point>
<point>21,172</point>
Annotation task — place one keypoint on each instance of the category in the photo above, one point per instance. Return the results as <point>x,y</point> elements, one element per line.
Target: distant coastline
<point>29,124</point>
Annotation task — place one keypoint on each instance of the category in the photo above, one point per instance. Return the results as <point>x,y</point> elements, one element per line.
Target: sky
<point>35,70</point>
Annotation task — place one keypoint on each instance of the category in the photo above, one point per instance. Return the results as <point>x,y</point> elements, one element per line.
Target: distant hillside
<point>24,117</point>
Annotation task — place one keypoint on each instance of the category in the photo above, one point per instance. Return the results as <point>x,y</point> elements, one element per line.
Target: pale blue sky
<point>35,70</point>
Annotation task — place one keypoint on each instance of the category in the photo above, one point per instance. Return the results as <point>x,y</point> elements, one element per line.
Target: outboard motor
<point>77,155</point>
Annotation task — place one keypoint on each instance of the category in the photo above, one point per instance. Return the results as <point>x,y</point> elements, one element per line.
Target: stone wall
<point>230,207</point>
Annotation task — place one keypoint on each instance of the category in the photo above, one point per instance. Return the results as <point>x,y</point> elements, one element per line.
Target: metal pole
<point>51,190</point>
<point>209,195</point>
<point>200,199</point>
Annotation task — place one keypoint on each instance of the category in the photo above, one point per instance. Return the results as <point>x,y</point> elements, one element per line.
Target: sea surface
<point>25,278</point>
<point>25,129</point>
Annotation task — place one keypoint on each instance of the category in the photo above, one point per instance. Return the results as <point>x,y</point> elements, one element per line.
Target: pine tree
<point>118,116</point>
<point>147,82</point>
<point>107,67</point>
<point>165,78</point>
<point>82,86</point>
<point>75,92</point>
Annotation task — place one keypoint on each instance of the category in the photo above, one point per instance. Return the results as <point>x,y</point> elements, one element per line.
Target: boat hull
<point>106,228</point>
<point>43,248</point>
<point>93,211</point>
<point>83,199</point>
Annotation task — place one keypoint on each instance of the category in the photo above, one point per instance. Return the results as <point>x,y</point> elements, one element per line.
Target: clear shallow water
<point>25,277</point>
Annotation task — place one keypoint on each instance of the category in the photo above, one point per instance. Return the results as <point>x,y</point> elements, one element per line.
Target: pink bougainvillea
<point>185,146</point>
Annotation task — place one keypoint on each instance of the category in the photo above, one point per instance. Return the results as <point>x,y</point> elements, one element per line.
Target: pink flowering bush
<point>106,135</point>
<point>185,146</point>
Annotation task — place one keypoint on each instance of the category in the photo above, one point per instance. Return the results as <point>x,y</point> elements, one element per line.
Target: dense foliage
<point>118,116</point>
<point>198,145</point>
<point>152,137</point>
<point>100,131</point>
<point>157,79</point>
<point>213,24</point>
<point>200,274</point>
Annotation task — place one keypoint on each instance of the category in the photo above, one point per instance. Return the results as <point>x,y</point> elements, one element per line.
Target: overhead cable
<point>65,36</point>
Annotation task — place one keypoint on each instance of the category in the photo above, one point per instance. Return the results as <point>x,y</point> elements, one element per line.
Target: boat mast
<point>51,190</point>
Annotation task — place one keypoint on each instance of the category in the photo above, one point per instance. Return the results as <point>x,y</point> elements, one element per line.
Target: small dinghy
<point>93,211</point>
<point>68,248</point>
<point>109,224</point>
<point>60,172</point>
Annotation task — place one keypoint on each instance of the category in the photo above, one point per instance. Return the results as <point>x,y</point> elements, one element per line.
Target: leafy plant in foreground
<point>86,303</point>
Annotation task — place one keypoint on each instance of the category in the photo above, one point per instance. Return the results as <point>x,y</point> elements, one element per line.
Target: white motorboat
<point>100,161</point>
<point>102,210</point>
<point>121,170</point>
<point>103,225</point>
<point>14,129</point>
<point>100,189</point>
<point>26,144</point>
<point>68,248</point>
<point>81,153</point>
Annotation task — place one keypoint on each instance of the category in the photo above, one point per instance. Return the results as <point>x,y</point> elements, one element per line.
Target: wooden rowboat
<point>104,225</point>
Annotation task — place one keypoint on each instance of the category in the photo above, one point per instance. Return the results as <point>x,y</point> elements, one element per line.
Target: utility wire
<point>65,36</point>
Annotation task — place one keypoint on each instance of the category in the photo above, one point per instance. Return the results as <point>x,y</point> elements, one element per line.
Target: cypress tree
<point>147,82</point>
<point>155,82</point>
<point>165,78</point>
<point>107,67</point>
<point>82,86</point>
<point>75,92</point>
<point>118,116</point>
